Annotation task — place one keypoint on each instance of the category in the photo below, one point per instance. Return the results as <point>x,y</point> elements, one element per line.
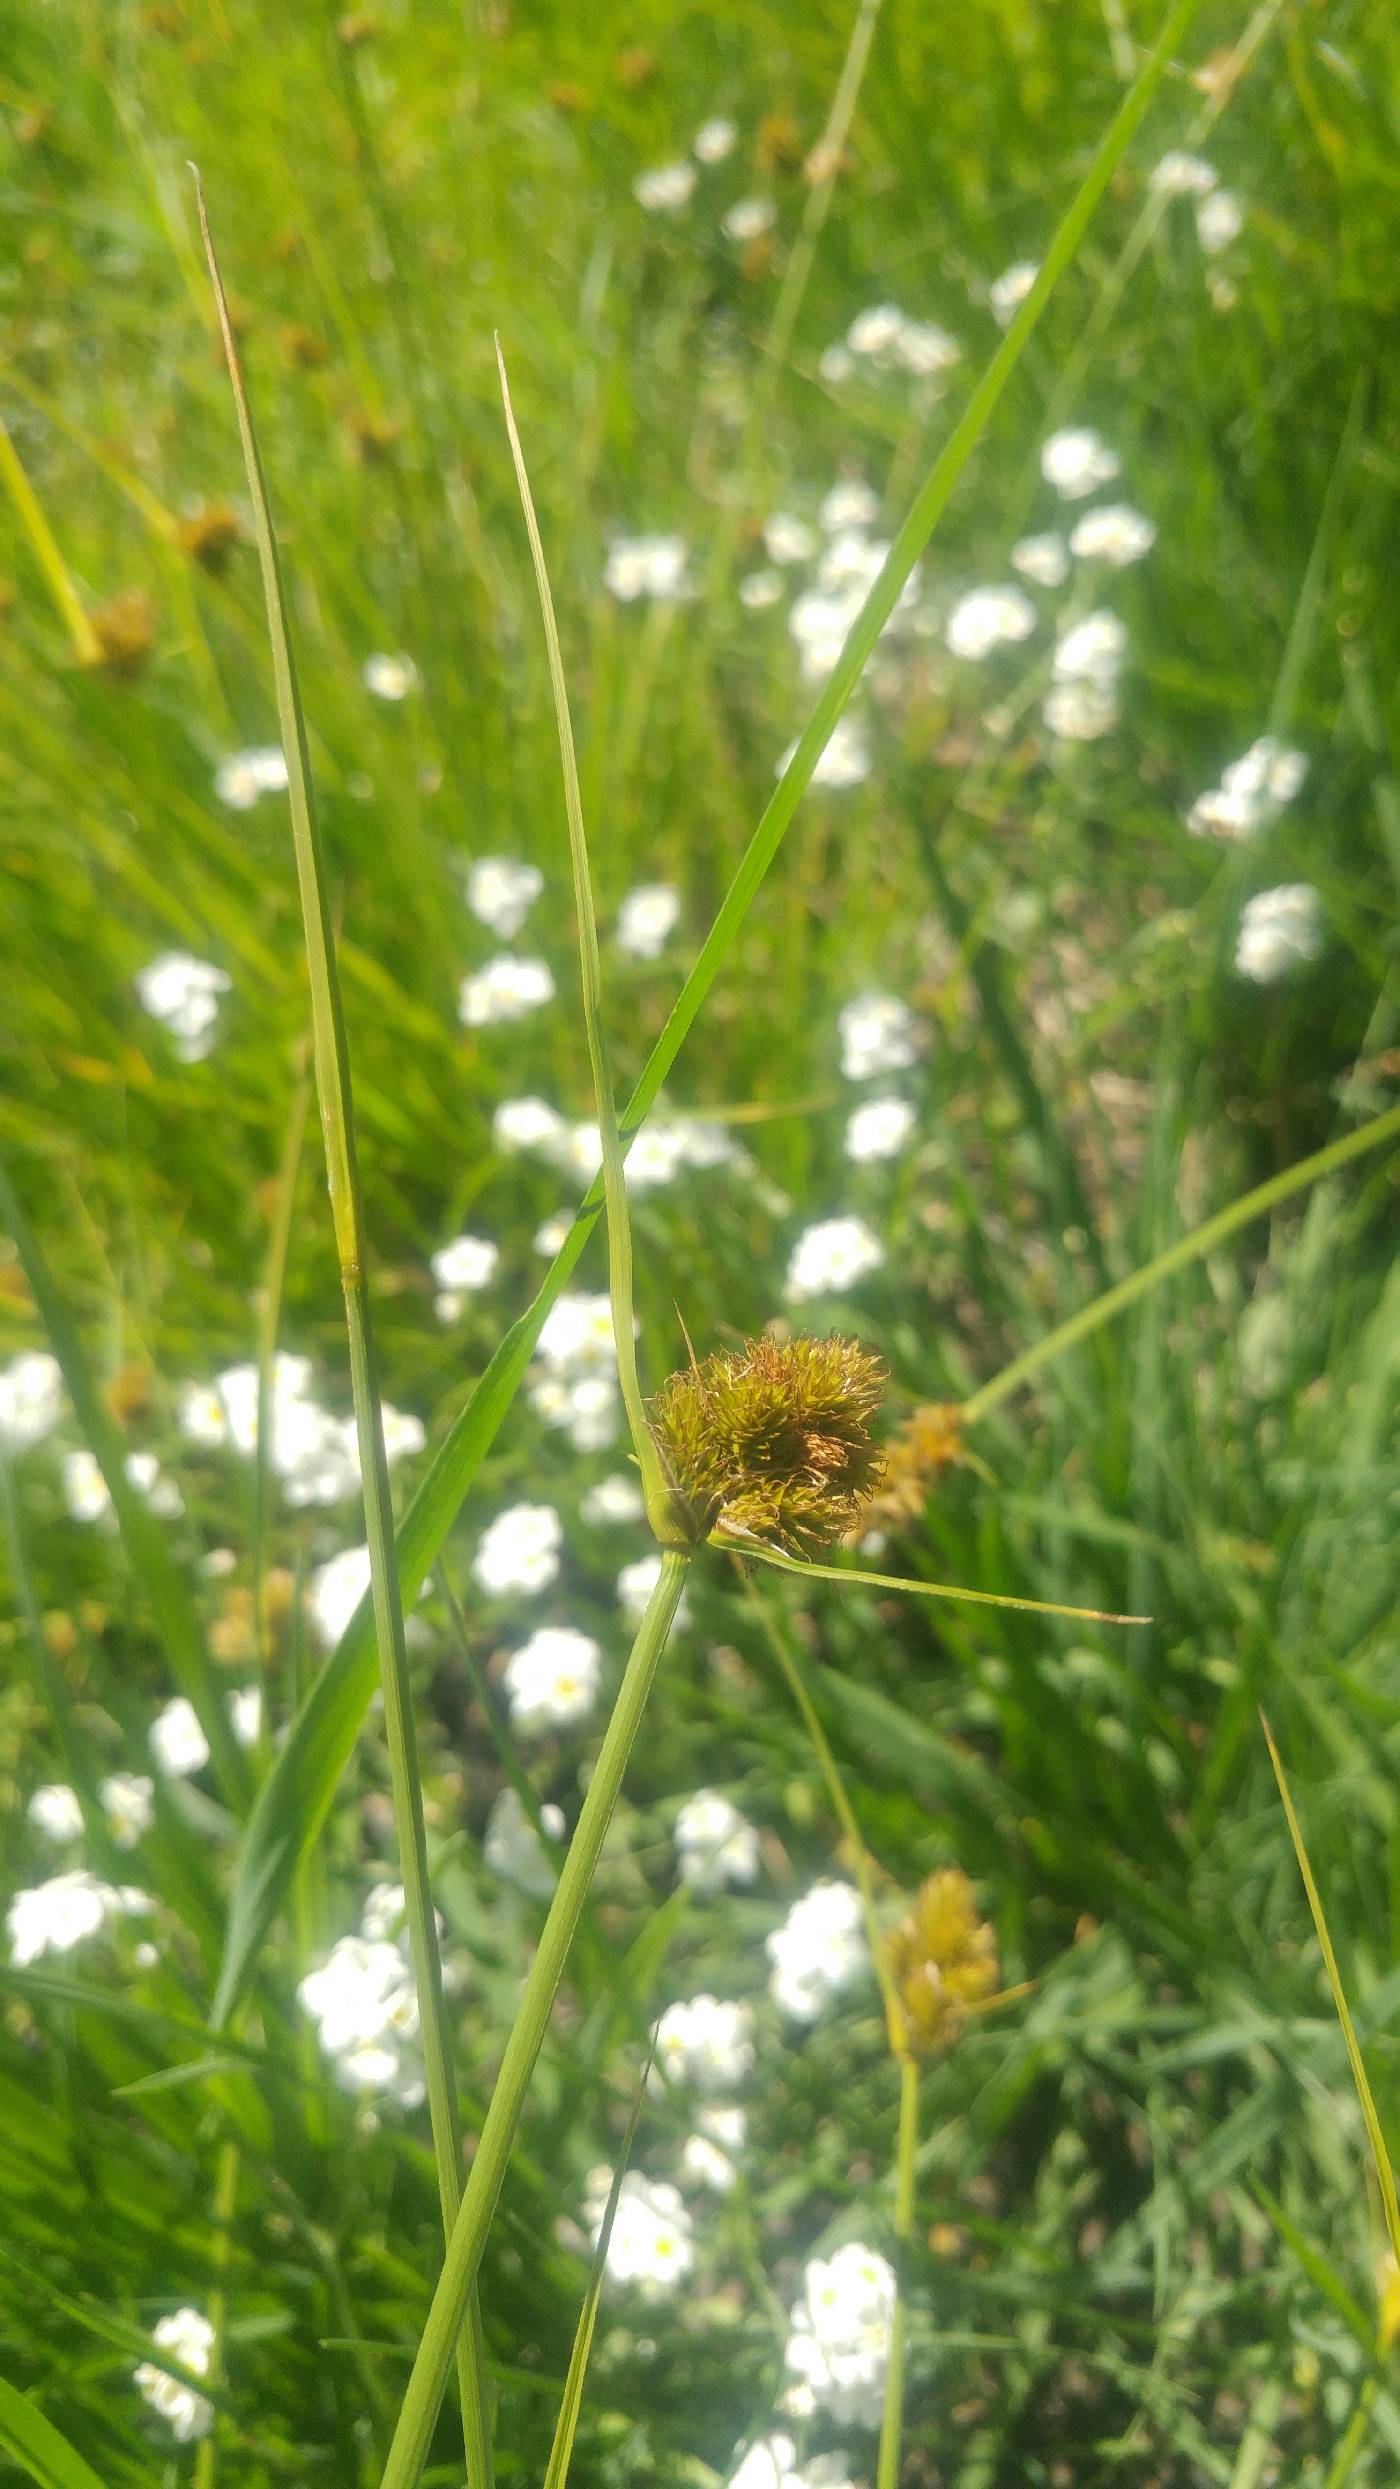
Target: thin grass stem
<point>46,552</point>
<point>419,2410</point>
<point>332,1069</point>
<point>1186,1250</point>
<point>906,2154</point>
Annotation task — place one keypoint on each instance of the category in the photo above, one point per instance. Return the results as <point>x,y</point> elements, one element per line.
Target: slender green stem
<point>892,2419</point>
<point>658,1501</point>
<point>824,165</point>
<point>1176,1257</point>
<point>849,1573</point>
<point>332,1068</point>
<point>419,2410</point>
<point>225,2206</point>
<point>50,560</point>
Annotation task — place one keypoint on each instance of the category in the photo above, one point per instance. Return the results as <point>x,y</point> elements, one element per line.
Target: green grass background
<point>1145,2250</point>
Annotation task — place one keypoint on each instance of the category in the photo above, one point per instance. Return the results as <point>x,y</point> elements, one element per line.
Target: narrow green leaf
<point>296,1797</point>
<point>1385,2175</point>
<point>331,1058</point>
<point>37,2447</point>
<point>849,1573</point>
<point>566,2427</point>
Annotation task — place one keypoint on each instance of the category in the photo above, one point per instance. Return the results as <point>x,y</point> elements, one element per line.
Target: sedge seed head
<point>943,1959</point>
<point>772,1441</point>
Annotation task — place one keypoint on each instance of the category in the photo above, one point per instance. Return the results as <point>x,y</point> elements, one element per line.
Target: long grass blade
<point>37,2447</point>
<point>46,552</point>
<point>330,1054</point>
<point>566,2426</point>
<point>1187,1249</point>
<point>614,1188</point>
<point>855,1574</point>
<point>1385,2175</point>
<point>297,1794</point>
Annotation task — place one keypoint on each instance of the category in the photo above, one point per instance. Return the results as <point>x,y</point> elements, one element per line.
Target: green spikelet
<point>773,1441</point>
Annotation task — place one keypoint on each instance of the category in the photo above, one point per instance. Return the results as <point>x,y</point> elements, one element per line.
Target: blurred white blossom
<point>819,1950</point>
<point>839,2346</point>
<point>244,776</point>
<point>552,1680</point>
<point>831,1257</point>
<point>519,1550</point>
<point>877,1035</point>
<point>715,1844</point>
<point>507,988</point>
<point>1045,559</point>
<point>1007,292</point>
<point>31,1399</point>
<point>189,2338</point>
<point>665,187</point>
<point>501,891</point>
<point>879,1129</point>
<point>1076,462</point>
<point>183,994</point>
<point>647,919</point>
<point>513,1848</point>
<point>651,566</point>
<point>988,618</point>
<point>53,1917</point>
<point>1279,929</point>
<point>1114,534</point>
<point>390,678</point>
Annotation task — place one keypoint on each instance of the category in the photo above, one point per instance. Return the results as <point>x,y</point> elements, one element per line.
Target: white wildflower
<point>244,776</point>
<point>390,678</point>
<point>551,1235</point>
<point>1076,462</point>
<point>1007,292</point>
<point>528,1124</point>
<point>552,1680</point>
<point>53,1917</point>
<point>183,994</point>
<point>245,1714</point>
<point>519,1550</point>
<point>652,566</point>
<point>1114,534</point>
<point>714,140</point>
<point>877,1035</point>
<point>84,1487</point>
<point>707,2042</point>
<point>1279,929</point>
<point>848,504</point>
<point>501,891</point>
<point>1219,221</point>
<point>1182,176</point>
<point>830,1257</point>
<point>788,539</point>
<point>31,1399</point>
<point>1092,650</point>
<point>665,187</point>
<point>650,2243</point>
<point>760,590</point>
<point>613,1500</point>
<point>818,1951</point>
<point>715,1844</point>
<point>635,1584</point>
<point>988,618</point>
<point>336,1591</point>
<point>1045,559</point>
<point>54,1811</point>
<point>505,989</point>
<point>189,2338</point>
<point>128,1804</point>
<point>365,2006</point>
<point>839,2346</point>
<point>460,1268</point>
<point>647,919</point>
<point>879,1129</point>
<point>875,332</point>
<point>177,1740</point>
<point>845,760</point>
<point>748,218</point>
<point>1252,791</point>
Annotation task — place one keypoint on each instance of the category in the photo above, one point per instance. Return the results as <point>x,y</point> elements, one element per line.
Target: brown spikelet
<point>943,1959</point>
<point>929,1441</point>
<point>773,1441</point>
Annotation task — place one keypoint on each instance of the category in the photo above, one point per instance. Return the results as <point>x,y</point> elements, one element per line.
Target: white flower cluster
<point>31,1399</point>
<point>877,1034</point>
<point>506,989</point>
<point>86,1493</point>
<point>647,919</point>
<point>1219,214</point>
<point>315,1454</point>
<point>460,1268</point>
<point>839,2346</point>
<point>335,1591</point>
<point>179,1744</point>
<point>653,567</point>
<point>773,2464</point>
<point>879,1129</point>
<point>1082,702</point>
<point>1007,292</point>
<point>715,1844</point>
<point>53,1917</point>
<point>183,994</point>
<point>830,1257</point>
<point>1076,462</point>
<point>552,1680</point>
<point>244,776</point>
<point>705,2042</point>
<point>189,2338</point>
<point>363,2002</point>
<point>501,891</point>
<point>573,1380</point>
<point>884,339</point>
<point>818,1951</point>
<point>390,678</point>
<point>125,1799</point>
<point>1279,929</point>
<point>519,1551</point>
<point>1252,792</point>
<point>988,618</point>
<point>652,2243</point>
<point>661,1149</point>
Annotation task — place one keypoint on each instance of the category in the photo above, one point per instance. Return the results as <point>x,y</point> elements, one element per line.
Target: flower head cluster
<point>245,776</point>
<point>1112,533</point>
<point>1082,702</point>
<point>189,2338</point>
<point>552,1680</point>
<point>502,891</point>
<point>183,994</point>
<point>53,1917</point>
<point>507,988</point>
<point>839,2345</point>
<point>1252,792</point>
<point>1076,462</point>
<point>885,339</point>
<point>988,618</point>
<point>877,1035</point>
<point>1279,929</point>
<point>519,1550</point>
<point>651,2242</point>
<point>772,1442</point>
<point>705,2042</point>
<point>818,1951</point>
<point>879,1129</point>
<point>715,1844</point>
<point>460,1268</point>
<point>929,1441</point>
<point>31,1399</point>
<point>943,1960</point>
<point>363,2003</point>
<point>831,1257</point>
<point>313,1452</point>
<point>573,1380</point>
<point>647,566</point>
